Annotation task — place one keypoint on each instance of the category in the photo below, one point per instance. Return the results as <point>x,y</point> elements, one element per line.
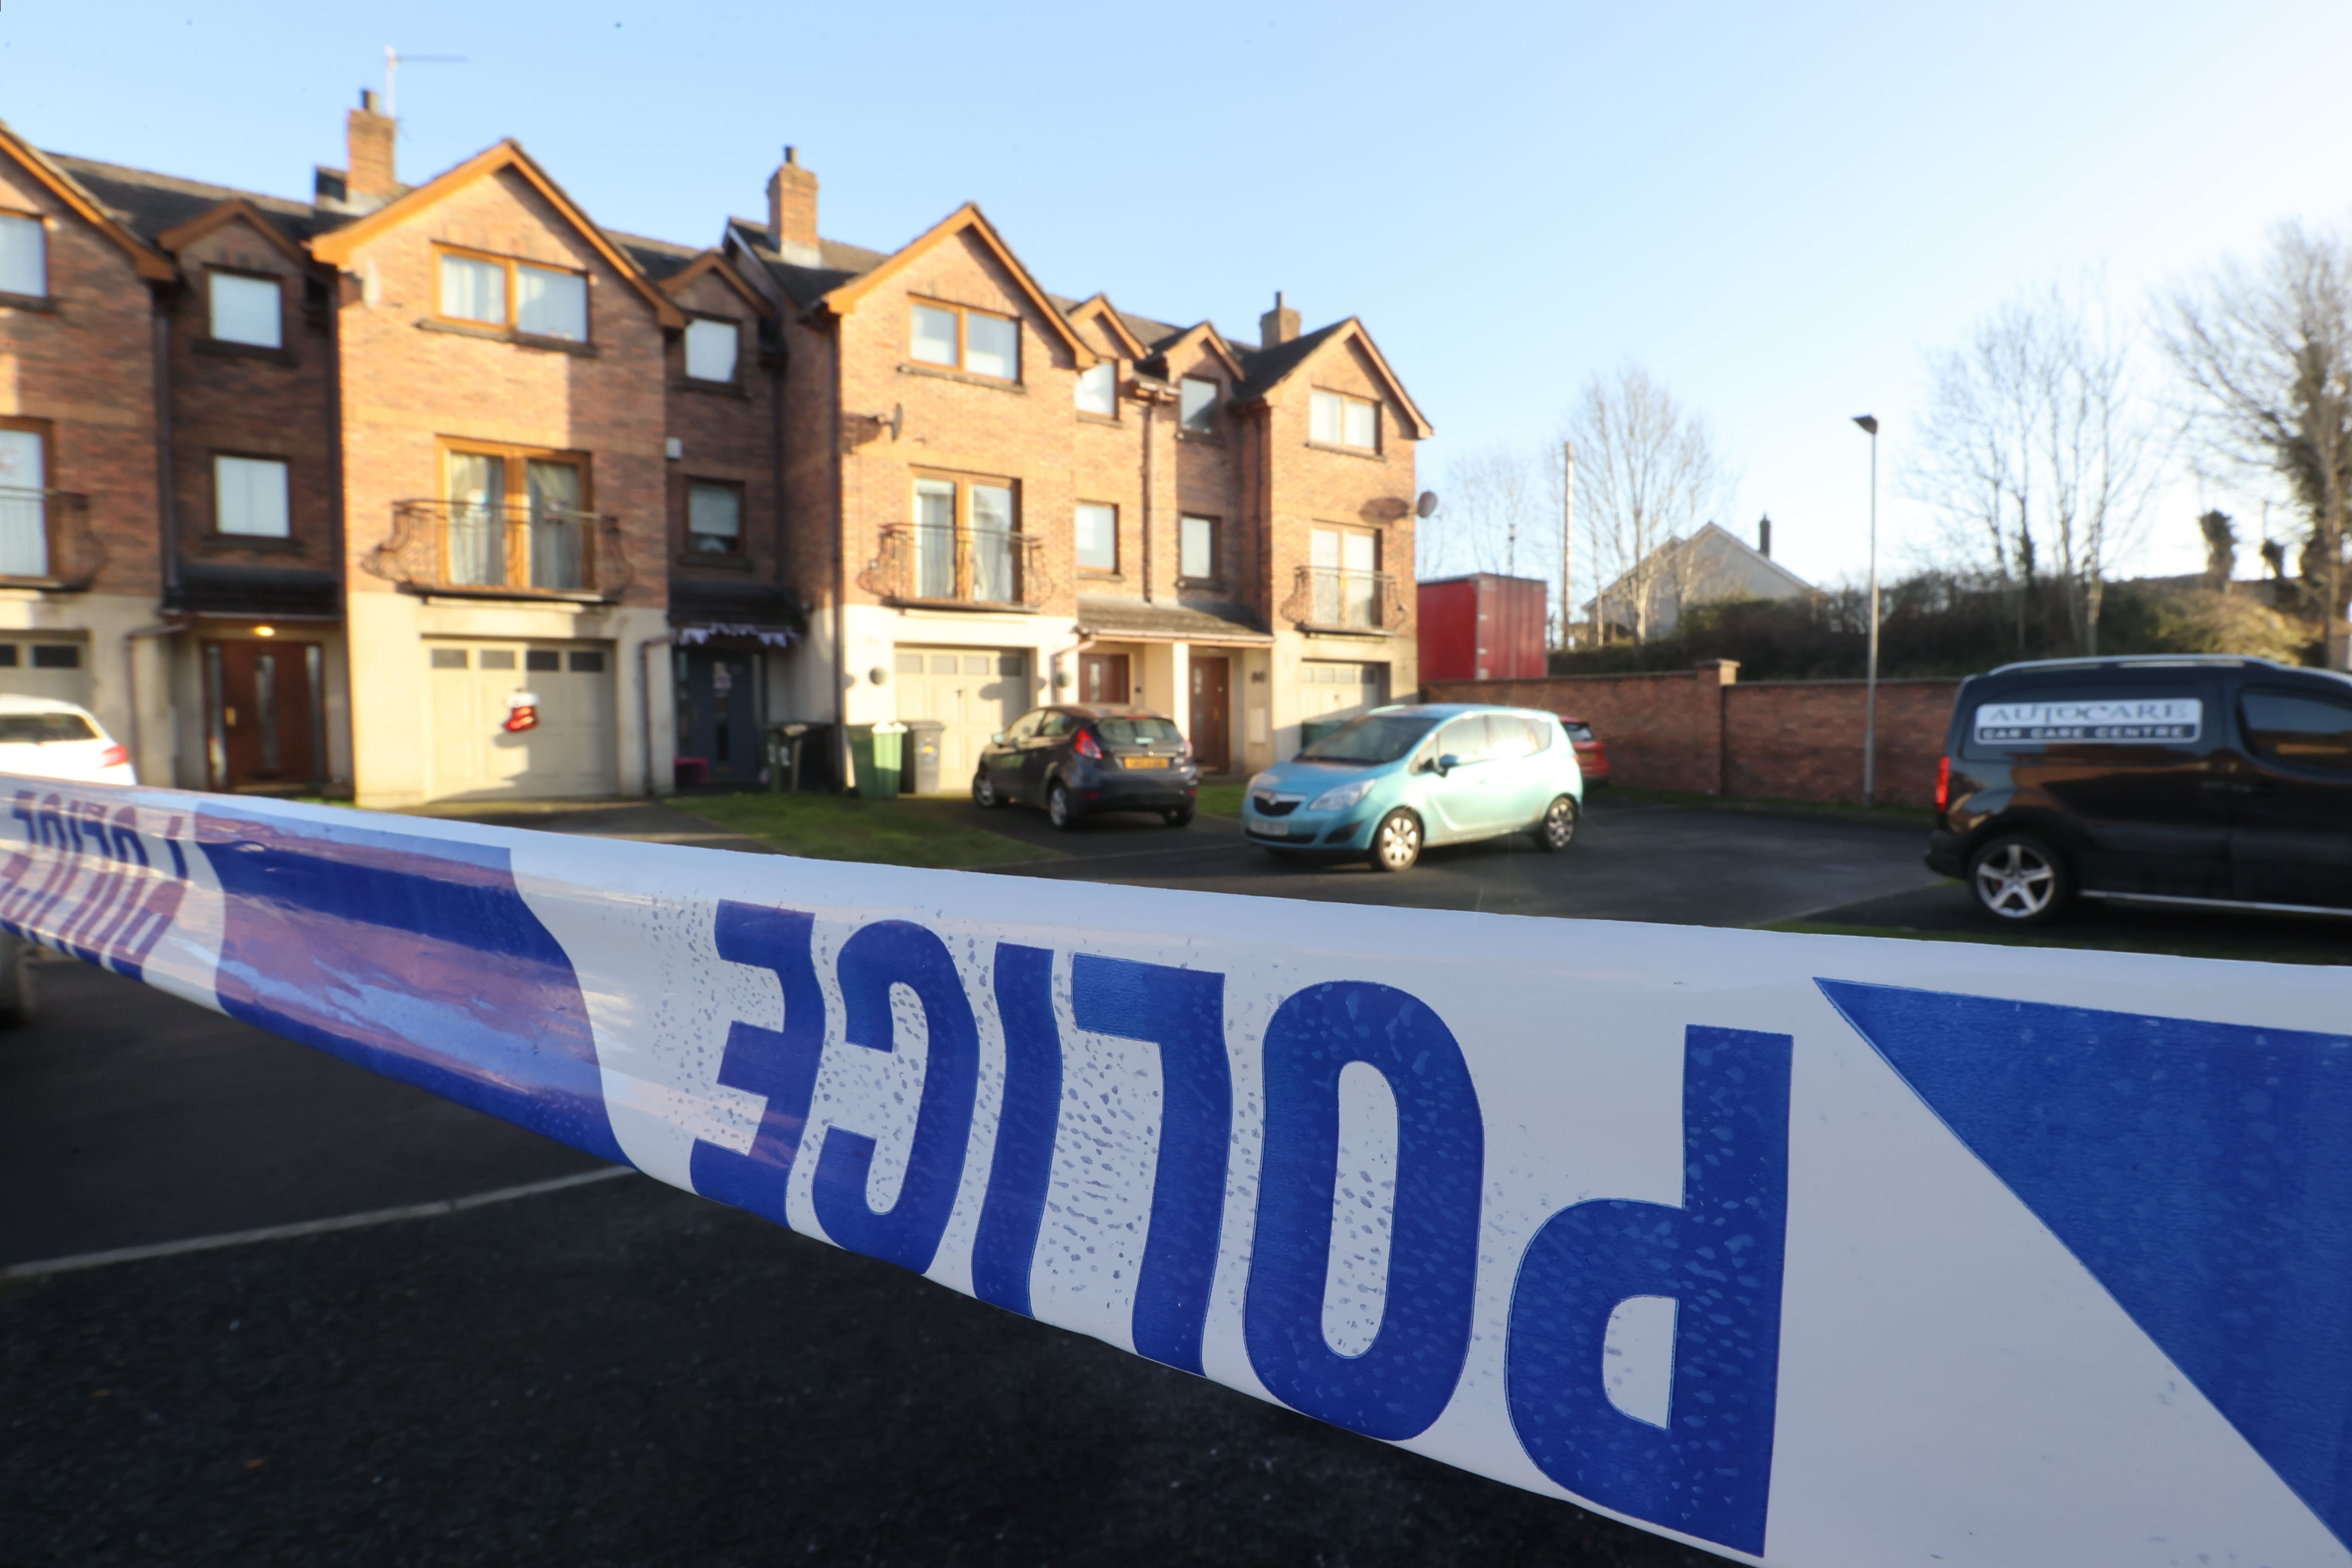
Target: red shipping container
<point>1482,627</point>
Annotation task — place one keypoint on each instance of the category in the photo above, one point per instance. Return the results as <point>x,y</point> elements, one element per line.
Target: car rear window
<point>2053,718</point>
<point>1137,731</point>
<point>1375,737</point>
<point>2303,729</point>
<point>40,729</point>
<point>1581,734</point>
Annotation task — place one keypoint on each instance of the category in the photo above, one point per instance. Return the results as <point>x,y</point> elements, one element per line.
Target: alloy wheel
<point>2016,881</point>
<point>1396,842</point>
<point>1058,806</point>
<point>1558,829</point>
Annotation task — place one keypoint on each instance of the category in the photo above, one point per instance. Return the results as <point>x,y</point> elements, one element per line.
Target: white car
<point>43,739</point>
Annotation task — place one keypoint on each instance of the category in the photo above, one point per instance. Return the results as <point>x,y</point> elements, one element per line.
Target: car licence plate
<point>1144,762</point>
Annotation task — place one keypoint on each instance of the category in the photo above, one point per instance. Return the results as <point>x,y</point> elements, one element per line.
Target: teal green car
<point>1387,785</point>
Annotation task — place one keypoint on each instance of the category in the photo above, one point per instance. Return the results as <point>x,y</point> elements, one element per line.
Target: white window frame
<point>252,496</point>
<point>1100,380</point>
<point>734,493</point>
<point>1106,513</point>
<point>272,336</point>
<point>713,331</point>
<point>37,231</point>
<point>1199,418</point>
<point>1184,525</point>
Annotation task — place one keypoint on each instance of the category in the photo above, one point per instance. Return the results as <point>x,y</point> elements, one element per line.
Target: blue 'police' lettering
<point>779,1064</point>
<point>1708,1471</point>
<point>1022,1168</point>
<point>1401,1384</point>
<point>1183,1012</point>
<point>907,1233</point>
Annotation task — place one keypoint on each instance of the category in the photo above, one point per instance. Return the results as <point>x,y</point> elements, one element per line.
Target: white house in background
<point>1709,567</point>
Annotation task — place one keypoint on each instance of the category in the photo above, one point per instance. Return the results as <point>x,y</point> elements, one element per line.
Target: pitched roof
<point>69,188</point>
<point>966,220</point>
<point>1105,615</point>
<point>149,203</point>
<point>675,279</point>
<point>1200,332</point>
<point>804,285</point>
<point>236,209</point>
<point>503,156</point>
<point>1269,368</point>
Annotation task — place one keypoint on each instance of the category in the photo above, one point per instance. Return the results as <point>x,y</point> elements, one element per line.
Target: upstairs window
<point>963,340</point>
<point>710,351</point>
<point>247,310</point>
<point>250,498</point>
<point>1097,537</point>
<point>1199,405</point>
<point>1196,549</point>
<point>1098,391</point>
<point>552,304</point>
<point>1338,420</point>
<point>539,301</point>
<point>473,290</point>
<point>24,256</point>
<point>714,518</point>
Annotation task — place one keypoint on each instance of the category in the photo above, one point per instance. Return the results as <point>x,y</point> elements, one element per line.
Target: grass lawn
<point>920,832</point>
<point>1222,799</point>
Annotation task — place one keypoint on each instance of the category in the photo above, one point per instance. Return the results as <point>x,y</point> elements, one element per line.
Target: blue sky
<point>1776,213</point>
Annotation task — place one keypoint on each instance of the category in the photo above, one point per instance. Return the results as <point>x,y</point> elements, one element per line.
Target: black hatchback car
<point>1090,757</point>
<point>2215,782</point>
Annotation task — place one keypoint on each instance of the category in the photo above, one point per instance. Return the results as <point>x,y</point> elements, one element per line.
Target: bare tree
<point>2267,349</point>
<point>2038,455</point>
<point>1646,471</point>
<point>1487,512</point>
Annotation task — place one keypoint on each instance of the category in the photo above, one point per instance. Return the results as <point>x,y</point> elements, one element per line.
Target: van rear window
<point>2092,721</point>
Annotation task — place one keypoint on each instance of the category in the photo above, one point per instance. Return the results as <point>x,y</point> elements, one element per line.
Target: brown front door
<point>1102,678</point>
<point>261,697</point>
<point>1212,722</point>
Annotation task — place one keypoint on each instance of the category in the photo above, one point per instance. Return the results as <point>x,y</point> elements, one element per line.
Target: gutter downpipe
<point>646,703</point>
<point>840,531</point>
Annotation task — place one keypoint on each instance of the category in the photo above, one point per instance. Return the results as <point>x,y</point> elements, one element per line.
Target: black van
<point>2212,780</point>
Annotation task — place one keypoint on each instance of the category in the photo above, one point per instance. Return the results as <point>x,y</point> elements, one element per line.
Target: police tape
<point>1813,1251</point>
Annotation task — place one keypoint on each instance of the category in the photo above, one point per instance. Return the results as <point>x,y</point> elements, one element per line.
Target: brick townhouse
<point>443,491</point>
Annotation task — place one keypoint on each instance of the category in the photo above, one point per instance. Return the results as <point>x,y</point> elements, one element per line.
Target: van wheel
<point>1396,842</point>
<point>2019,880</point>
<point>1557,830</point>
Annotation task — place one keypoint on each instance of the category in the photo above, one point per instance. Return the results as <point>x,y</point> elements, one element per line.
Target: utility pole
<point>1567,541</point>
<point>1869,422</point>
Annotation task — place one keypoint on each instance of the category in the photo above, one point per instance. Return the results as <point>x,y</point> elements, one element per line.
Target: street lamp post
<point>1869,422</point>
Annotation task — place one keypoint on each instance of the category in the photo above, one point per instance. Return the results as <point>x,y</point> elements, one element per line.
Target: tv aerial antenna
<point>394,59</point>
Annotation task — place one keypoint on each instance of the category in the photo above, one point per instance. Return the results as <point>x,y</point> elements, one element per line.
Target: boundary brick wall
<point>1700,731</point>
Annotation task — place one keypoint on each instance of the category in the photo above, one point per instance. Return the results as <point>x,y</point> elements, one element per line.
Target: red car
<point>1591,757</point>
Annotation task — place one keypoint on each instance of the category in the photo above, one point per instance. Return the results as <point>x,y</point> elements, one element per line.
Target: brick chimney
<point>1764,536</point>
<point>791,211</point>
<point>1279,324</point>
<point>369,178</point>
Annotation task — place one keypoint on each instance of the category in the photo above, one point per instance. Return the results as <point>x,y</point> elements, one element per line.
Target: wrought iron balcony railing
<point>1334,598</point>
<point>45,540</point>
<point>973,567</point>
<point>479,550</point>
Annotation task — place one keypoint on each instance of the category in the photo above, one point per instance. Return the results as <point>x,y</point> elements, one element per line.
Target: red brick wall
<point>1801,741</point>
<point>1786,740</point>
<point>728,435</point>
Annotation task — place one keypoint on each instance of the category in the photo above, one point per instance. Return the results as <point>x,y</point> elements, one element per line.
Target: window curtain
<point>935,571</point>
<point>24,508</point>
<point>478,493</point>
<point>991,543</point>
<point>557,548</point>
<point>552,304</point>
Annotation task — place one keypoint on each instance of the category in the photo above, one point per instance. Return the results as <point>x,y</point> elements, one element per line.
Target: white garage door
<point>31,667</point>
<point>572,751</point>
<point>973,692</point>
<point>1328,688</point>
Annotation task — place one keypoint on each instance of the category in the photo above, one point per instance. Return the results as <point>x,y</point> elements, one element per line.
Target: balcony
<point>960,569</point>
<point>45,540</point>
<point>474,550</point>
<point>1334,598</point>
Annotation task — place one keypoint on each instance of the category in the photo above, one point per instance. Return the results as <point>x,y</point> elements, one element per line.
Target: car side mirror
<point>1447,764</point>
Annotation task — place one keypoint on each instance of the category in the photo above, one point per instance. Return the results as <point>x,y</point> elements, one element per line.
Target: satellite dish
<point>1426,505</point>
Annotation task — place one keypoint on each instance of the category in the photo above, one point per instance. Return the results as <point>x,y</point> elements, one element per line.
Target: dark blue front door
<point>717,712</point>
